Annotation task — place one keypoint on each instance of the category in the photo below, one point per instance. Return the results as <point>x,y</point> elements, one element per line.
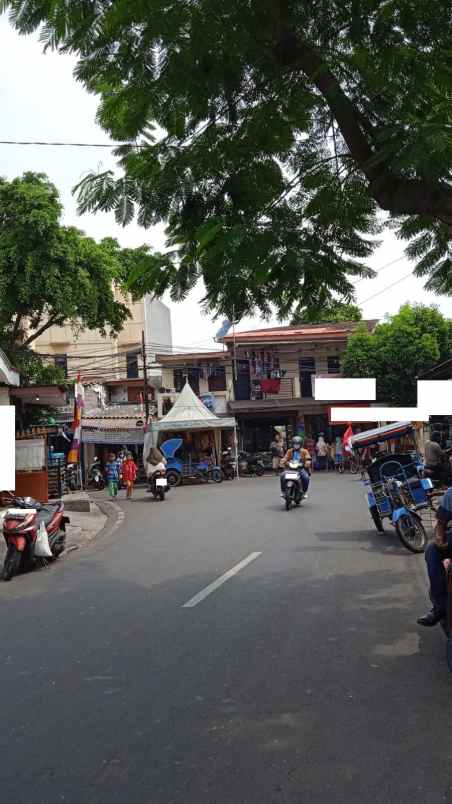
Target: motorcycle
<point>21,525</point>
<point>293,490</point>
<point>250,465</point>
<point>158,484</point>
<point>71,476</point>
<point>96,478</point>
<point>227,465</point>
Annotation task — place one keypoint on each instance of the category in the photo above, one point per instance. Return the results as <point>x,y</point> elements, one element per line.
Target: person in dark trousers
<point>435,554</point>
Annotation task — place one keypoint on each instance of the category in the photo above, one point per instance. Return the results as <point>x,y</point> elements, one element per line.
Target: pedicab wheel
<point>378,522</point>
<point>354,467</point>
<point>340,468</point>
<point>411,533</point>
<point>174,478</point>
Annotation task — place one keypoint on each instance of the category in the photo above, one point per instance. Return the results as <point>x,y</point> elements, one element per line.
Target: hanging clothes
<point>270,386</point>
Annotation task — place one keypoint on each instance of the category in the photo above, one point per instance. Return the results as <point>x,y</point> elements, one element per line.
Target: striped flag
<point>74,454</point>
<point>346,439</point>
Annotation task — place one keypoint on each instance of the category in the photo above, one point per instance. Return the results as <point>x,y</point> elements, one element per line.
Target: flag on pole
<point>74,453</point>
<point>346,439</point>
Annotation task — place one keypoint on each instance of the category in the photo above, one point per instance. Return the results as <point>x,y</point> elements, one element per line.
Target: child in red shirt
<point>129,473</point>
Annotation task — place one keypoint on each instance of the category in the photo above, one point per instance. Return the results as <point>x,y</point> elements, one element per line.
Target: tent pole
<point>236,453</point>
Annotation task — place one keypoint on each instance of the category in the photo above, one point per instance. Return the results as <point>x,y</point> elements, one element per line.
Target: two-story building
<point>266,377</point>
<point>274,379</point>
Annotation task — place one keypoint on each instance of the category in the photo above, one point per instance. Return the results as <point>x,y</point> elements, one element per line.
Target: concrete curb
<point>115,517</point>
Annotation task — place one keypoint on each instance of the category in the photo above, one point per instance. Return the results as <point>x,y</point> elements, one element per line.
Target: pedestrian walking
<point>112,474</point>
<point>277,451</point>
<point>129,473</point>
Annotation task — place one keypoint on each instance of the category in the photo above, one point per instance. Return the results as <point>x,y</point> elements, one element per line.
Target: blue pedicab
<point>177,470</point>
<point>394,487</point>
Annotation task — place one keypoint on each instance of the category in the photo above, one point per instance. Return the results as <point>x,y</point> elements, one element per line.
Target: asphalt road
<point>303,678</point>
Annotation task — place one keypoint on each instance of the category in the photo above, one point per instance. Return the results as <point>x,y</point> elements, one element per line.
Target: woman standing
<point>277,450</point>
<point>322,452</point>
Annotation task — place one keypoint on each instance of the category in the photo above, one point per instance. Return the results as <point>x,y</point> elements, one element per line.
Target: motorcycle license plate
<point>291,475</point>
<point>161,481</point>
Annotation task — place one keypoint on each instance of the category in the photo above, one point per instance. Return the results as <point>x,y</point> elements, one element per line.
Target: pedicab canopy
<point>381,434</point>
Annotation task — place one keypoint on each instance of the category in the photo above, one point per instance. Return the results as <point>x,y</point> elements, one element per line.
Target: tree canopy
<point>334,311</point>
<point>398,350</point>
<point>268,135</point>
<point>52,274</point>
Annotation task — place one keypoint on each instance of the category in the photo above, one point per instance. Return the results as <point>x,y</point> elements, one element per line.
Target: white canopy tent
<point>189,414</point>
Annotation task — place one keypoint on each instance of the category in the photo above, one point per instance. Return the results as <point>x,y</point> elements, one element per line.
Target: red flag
<point>346,439</point>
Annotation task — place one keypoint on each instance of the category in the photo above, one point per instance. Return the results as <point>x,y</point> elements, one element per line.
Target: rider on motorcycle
<point>302,456</point>
<point>435,554</point>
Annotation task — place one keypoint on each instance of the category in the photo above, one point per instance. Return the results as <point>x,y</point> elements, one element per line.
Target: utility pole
<point>234,345</point>
<point>145,379</point>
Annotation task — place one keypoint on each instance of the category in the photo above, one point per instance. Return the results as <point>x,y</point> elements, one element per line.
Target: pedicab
<point>178,470</point>
<point>395,489</point>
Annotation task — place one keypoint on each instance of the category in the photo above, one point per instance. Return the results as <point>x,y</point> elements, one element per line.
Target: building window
<point>307,369</point>
<point>334,364</point>
<point>191,374</point>
<point>61,363</point>
<point>217,378</point>
<point>132,365</point>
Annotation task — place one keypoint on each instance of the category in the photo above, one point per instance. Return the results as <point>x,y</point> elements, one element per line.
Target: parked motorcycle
<point>293,490</point>
<point>21,525</point>
<point>158,485</point>
<point>250,465</point>
<point>96,478</point>
<point>71,476</point>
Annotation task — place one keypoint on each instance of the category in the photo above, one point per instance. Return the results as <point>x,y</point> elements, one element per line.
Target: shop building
<point>265,379</point>
<point>274,372</point>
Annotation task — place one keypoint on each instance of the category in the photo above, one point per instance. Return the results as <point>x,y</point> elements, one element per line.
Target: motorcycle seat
<point>47,512</point>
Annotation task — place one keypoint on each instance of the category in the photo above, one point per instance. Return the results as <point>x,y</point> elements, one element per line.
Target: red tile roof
<point>304,332</point>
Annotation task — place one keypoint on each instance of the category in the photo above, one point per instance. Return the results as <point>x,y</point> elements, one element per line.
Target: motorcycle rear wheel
<point>12,562</point>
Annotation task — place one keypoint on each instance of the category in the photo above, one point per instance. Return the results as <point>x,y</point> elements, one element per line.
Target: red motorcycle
<point>21,525</point>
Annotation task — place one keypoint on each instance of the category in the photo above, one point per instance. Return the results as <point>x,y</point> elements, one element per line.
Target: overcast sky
<point>40,100</point>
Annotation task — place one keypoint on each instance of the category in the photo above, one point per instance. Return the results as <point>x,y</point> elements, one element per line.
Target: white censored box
<point>434,398</point>
<point>339,389</point>
<point>8,447</point>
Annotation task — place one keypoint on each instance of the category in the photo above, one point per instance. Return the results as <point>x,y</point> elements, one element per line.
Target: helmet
<point>436,437</point>
<point>296,442</point>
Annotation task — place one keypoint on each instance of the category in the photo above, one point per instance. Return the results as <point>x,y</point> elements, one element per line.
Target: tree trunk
<point>397,195</point>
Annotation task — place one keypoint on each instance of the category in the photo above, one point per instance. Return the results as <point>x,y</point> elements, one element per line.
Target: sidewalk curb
<point>115,517</point>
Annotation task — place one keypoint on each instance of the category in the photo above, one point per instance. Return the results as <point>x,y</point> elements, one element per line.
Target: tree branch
<point>55,319</point>
<point>393,193</point>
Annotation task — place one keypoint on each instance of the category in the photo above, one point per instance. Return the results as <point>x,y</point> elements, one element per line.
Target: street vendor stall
<point>190,419</point>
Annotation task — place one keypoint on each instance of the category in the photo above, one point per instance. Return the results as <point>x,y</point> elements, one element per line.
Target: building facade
<point>267,378</point>
<point>99,358</point>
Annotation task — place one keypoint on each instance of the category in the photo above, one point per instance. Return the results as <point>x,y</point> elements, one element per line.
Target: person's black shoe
<point>432,618</point>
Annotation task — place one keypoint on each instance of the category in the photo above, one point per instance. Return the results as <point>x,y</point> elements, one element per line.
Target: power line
<point>73,144</point>
<point>379,292</point>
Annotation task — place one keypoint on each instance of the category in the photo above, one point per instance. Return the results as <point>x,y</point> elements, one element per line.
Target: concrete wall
<point>4,396</point>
